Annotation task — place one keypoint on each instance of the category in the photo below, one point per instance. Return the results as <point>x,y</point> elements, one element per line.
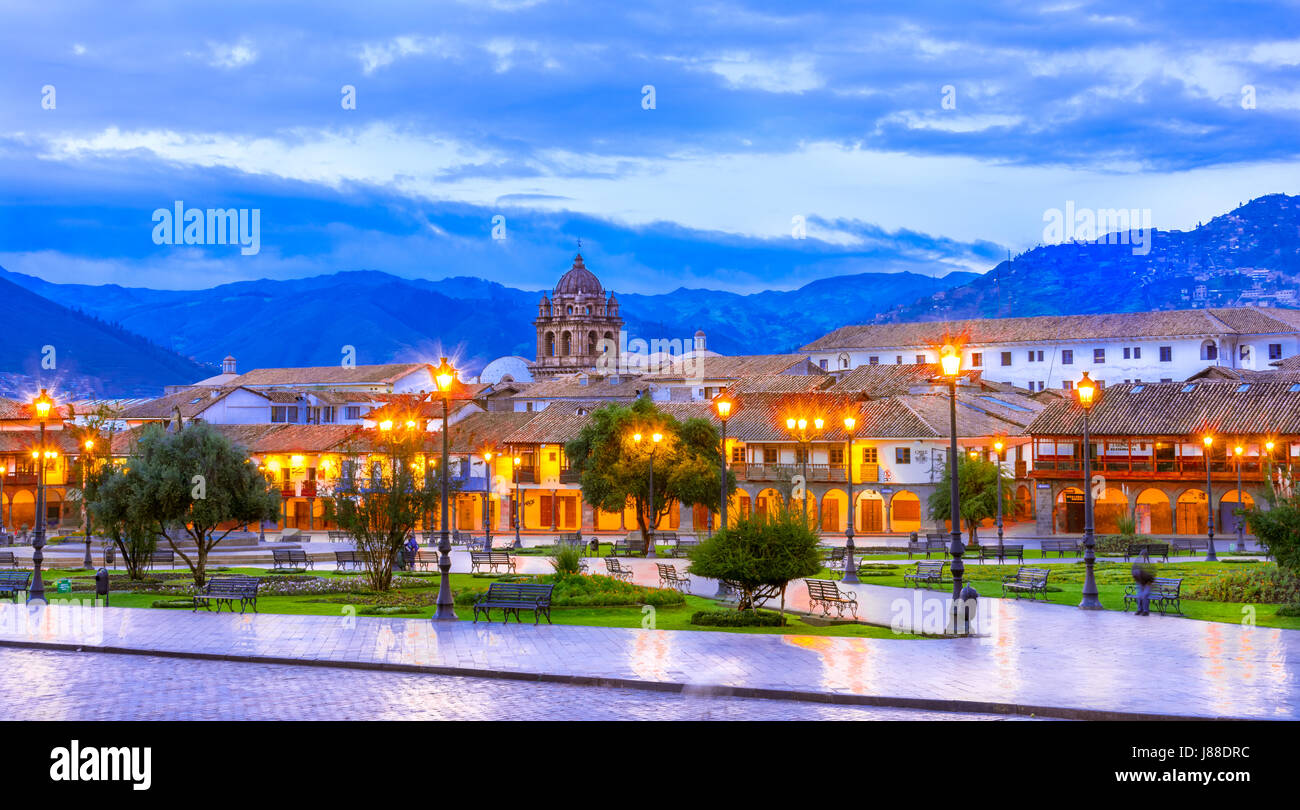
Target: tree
<point>118,508</point>
<point>384,493</point>
<point>760,555</point>
<point>1278,526</point>
<point>613,469</point>
<point>977,482</point>
<point>194,480</point>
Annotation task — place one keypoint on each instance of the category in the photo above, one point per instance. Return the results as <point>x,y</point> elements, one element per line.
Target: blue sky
<point>533,110</point>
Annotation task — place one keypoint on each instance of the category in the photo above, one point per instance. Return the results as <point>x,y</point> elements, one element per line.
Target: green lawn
<point>665,618</point>
<point>1065,586</point>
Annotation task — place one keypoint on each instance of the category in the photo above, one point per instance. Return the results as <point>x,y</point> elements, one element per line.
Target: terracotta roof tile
<point>1180,409</point>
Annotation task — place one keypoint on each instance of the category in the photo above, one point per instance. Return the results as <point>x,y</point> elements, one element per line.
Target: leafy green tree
<point>760,555</point>
<point>118,508</point>
<point>613,468</point>
<point>386,490</point>
<point>977,482</point>
<point>1278,526</point>
<point>195,480</point>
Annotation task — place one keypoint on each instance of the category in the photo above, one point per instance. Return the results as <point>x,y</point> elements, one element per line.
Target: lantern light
<point>1209,440</point>
<point>43,404</point>
<point>1087,389</point>
<point>444,375</point>
<point>950,360</point>
<point>656,438</point>
<point>723,404</point>
<point>850,423</point>
<point>386,425</point>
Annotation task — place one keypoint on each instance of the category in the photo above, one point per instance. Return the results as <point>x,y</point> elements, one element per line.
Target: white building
<point>1052,351</point>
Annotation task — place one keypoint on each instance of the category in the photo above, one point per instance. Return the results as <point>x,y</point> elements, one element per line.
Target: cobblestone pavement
<point>1031,655</point>
<point>52,685</point>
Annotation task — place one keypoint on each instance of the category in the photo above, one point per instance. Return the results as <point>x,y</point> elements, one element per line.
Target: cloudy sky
<point>683,143</point>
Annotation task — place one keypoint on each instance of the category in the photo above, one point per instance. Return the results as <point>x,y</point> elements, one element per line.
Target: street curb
<point>690,690</point>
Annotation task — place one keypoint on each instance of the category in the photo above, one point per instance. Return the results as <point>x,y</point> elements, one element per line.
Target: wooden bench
<point>664,539</point>
<point>13,583</point>
<point>932,543</point>
<point>572,539</point>
<point>629,545</point>
<point>1061,546</point>
<point>345,559</point>
<point>1000,553</point>
<point>492,560</point>
<point>1165,592</point>
<point>927,571</point>
<point>160,558</point>
<point>225,590</point>
<point>7,558</point>
<point>513,597</point>
<point>1189,544</point>
<point>420,560</point>
<point>286,559</point>
<point>1027,580</point>
<point>670,578</point>
<point>616,570</point>
<point>1145,550</point>
<point>826,594</point>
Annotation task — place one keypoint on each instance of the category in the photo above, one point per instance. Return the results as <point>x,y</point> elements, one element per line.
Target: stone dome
<point>579,280</point>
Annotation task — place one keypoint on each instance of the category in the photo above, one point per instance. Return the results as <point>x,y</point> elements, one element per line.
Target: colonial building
<point>577,325</point>
<point>1048,351</point>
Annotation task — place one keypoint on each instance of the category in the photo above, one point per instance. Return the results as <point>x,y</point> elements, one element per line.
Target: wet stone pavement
<point>54,685</point>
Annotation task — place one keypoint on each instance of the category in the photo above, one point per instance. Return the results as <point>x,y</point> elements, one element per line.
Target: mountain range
<point>129,340</point>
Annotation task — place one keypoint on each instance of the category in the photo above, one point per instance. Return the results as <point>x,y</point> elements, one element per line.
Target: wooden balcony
<point>817,473</point>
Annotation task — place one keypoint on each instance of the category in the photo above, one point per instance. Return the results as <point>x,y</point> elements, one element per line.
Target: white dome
<point>511,368</point>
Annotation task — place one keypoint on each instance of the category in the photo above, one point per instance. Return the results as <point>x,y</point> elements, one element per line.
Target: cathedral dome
<point>579,280</point>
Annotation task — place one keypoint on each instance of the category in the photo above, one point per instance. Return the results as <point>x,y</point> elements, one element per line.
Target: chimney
<point>699,341</point>
<point>228,365</point>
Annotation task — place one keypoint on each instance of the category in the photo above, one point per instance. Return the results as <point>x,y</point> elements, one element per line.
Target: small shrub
<point>1127,525</point>
<point>566,559</point>
<point>1117,543</point>
<point>734,618</point>
<point>1289,610</point>
<point>1269,585</point>
<point>173,603</point>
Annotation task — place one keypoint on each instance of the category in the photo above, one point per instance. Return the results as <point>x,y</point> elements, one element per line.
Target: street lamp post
<point>43,405</point>
<point>723,404</point>
<point>1239,451</point>
<point>655,439</point>
<point>798,427</point>
<point>487,500</point>
<point>1210,555</point>
<point>850,569</point>
<point>998,445</point>
<point>519,505</point>
<point>2,499</point>
<point>1087,390</point>
<point>86,562</point>
<point>444,375</point>
<point>950,362</point>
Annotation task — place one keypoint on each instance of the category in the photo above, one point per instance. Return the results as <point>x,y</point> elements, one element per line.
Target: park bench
<point>420,560</point>
<point>1165,592</point>
<point>1000,553</point>
<point>225,590</point>
<point>632,544</point>
<point>339,537</point>
<point>670,578</point>
<point>1026,580</point>
<point>513,597</point>
<point>933,542</point>
<point>348,559</point>
<point>493,560</point>
<point>13,583</point>
<point>927,571</point>
<point>285,559</point>
<point>1060,547</point>
<point>1145,550</point>
<point>664,539</point>
<point>572,539</point>
<point>616,570</point>
<point>1189,544</point>
<point>834,559</point>
<point>167,558</point>
<point>683,546</point>
<point>7,558</point>
<point>826,594</point>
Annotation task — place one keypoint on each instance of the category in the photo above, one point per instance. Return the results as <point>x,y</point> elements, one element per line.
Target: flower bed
<point>593,591</point>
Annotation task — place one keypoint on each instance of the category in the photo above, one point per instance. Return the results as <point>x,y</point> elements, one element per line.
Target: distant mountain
<point>46,344</point>
<point>385,318</point>
<point>1249,256</point>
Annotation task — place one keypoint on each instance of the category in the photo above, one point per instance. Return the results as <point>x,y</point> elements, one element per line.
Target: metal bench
<point>927,572</point>
<point>340,537</point>
<point>8,558</point>
<point>670,578</point>
<point>1032,581</point>
<point>683,546</point>
<point>1060,547</point>
<point>13,583</point>
<point>167,558</point>
<point>421,559</point>
<point>826,594</point>
<point>834,559</point>
<point>1165,592</point>
<point>1144,551</point>
<point>1189,544</point>
<point>616,569</point>
<point>632,544</point>
<point>492,560</point>
<point>225,590</point>
<point>512,597</point>
<point>345,559</point>
<point>933,542</point>
<point>290,559</point>
<point>1000,553</point>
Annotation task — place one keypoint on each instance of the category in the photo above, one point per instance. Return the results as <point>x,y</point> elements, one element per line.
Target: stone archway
<point>905,512</point>
<point>833,514</point>
<point>1190,512</point>
<point>1153,513</point>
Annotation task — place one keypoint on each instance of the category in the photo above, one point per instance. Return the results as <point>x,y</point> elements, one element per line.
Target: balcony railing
<point>298,489</point>
<point>782,472</point>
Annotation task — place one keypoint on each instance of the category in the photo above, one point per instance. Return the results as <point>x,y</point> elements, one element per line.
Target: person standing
<point>1143,579</point>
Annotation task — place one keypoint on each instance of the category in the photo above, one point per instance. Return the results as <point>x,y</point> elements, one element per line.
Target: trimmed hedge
<point>594,590</point>
<point>736,618</point>
<point>1270,585</point>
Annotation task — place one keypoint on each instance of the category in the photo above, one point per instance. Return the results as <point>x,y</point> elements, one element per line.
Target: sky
<point>738,145</point>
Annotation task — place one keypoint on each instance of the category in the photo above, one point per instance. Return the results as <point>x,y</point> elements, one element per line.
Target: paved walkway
<point>1049,660</point>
